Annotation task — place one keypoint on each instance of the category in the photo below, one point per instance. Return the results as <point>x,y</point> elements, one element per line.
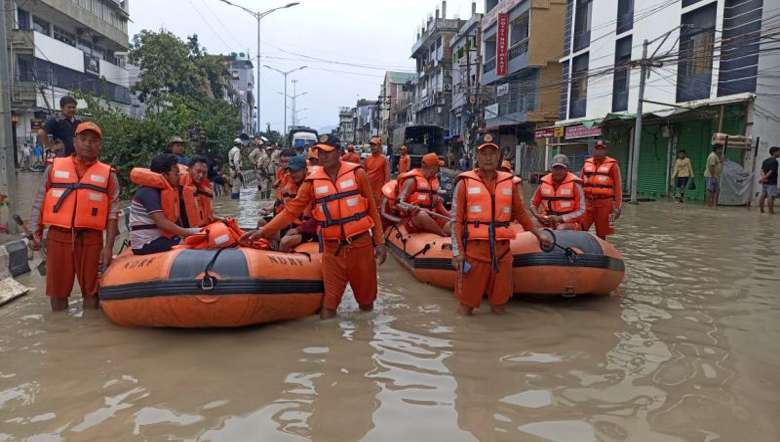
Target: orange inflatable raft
<point>581,264</point>
<point>211,288</point>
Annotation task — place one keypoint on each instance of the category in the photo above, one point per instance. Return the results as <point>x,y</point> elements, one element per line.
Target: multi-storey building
<point>366,121</point>
<point>468,96</point>
<point>241,88</point>
<point>522,41</point>
<point>346,130</point>
<point>404,114</point>
<point>61,46</point>
<point>710,72</point>
<point>393,87</point>
<point>433,54</point>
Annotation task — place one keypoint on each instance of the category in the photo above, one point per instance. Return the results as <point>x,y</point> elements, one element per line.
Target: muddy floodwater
<point>687,349</point>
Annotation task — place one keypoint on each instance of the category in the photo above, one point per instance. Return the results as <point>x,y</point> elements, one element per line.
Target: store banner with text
<point>502,46</point>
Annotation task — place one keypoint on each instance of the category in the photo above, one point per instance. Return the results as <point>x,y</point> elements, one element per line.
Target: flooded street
<point>687,349</point>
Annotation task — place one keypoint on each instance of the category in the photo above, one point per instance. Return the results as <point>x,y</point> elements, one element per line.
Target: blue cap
<point>296,163</point>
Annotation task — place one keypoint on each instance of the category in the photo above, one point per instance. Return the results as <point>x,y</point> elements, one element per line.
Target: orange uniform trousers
<point>72,254</point>
<point>482,279</point>
<point>352,263</point>
<point>598,212</point>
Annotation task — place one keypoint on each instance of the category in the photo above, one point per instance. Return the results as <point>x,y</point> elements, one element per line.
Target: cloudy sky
<point>354,42</point>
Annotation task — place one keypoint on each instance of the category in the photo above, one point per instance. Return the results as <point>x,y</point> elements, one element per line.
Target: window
<point>582,24</point>
<point>625,16</point>
<point>622,74</point>
<point>564,98</point>
<point>740,47</point>
<point>519,29</point>
<point>40,25</point>
<point>63,36</point>
<point>697,41</point>
<point>22,19</point>
<point>579,86</point>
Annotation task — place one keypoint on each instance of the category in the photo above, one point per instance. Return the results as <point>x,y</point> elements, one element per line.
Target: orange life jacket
<point>288,191</point>
<point>351,157</point>
<point>598,182</point>
<point>197,198</point>
<point>425,188</point>
<point>338,206</point>
<point>169,197</point>
<point>404,164</point>
<point>563,199</point>
<point>390,190</point>
<point>77,203</point>
<point>484,209</point>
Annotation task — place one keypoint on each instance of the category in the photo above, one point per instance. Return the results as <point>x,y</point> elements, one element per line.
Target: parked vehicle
<point>302,137</point>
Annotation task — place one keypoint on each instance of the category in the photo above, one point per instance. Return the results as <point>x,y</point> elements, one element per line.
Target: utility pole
<point>644,66</point>
<point>6,143</point>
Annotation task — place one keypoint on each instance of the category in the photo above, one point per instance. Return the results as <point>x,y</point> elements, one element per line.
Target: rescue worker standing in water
<point>404,161</point>
<point>603,191</point>
<point>485,201</point>
<point>350,229</point>
<point>78,201</point>
<point>377,168</point>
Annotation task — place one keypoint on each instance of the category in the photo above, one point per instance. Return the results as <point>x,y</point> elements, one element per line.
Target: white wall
<point>114,74</point>
<point>661,84</point>
<point>57,52</point>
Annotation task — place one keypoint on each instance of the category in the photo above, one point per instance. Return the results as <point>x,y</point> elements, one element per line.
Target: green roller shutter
<point>652,163</point>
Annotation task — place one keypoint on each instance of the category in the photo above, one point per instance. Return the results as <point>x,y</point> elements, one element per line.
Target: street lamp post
<point>259,16</point>
<point>285,74</point>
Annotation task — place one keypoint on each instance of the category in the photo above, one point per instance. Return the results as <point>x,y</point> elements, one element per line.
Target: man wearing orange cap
<point>485,201</point>
<point>351,156</point>
<point>78,201</point>
<point>419,189</point>
<point>559,201</point>
<point>349,227</point>
<point>404,161</point>
<point>603,191</point>
<point>378,169</point>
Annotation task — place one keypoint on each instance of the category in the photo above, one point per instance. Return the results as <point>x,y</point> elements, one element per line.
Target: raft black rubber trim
<point>243,286</point>
<point>528,260</point>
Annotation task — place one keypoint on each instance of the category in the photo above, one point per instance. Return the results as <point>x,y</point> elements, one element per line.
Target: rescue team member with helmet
<point>404,161</point>
<point>485,201</point>
<point>420,188</point>
<point>176,148</point>
<point>196,194</point>
<point>560,197</point>
<point>304,228</point>
<point>351,156</point>
<point>155,209</point>
<point>78,201</point>
<point>377,168</point>
<point>349,227</point>
<point>603,191</point>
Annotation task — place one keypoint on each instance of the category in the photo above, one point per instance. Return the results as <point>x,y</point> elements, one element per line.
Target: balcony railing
<point>518,49</point>
<point>490,65</point>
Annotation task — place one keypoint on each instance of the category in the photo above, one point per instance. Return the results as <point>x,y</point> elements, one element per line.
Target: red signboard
<point>546,132</point>
<point>573,132</point>
<point>502,45</point>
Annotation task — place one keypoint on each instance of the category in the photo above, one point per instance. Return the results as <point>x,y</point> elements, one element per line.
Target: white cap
<point>237,141</point>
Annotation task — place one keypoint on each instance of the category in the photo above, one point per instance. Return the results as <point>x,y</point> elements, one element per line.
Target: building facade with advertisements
<point>521,44</point>
<point>712,77</point>
<point>57,47</point>
<point>433,55</point>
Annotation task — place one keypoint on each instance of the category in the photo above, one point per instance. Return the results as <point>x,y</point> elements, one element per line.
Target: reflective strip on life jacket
<point>73,202</point>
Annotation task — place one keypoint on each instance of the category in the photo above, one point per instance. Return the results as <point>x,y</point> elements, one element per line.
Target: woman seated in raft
<point>303,229</point>
<point>155,209</point>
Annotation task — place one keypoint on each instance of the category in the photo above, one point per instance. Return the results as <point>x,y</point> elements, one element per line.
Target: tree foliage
<point>183,87</point>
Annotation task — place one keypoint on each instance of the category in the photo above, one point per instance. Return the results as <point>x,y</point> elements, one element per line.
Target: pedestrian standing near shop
<point>712,174</point>
<point>58,132</point>
<point>485,202</point>
<point>683,174</point>
<point>769,180</point>
<point>377,168</point>
<point>78,202</point>
<point>350,228</point>
<point>603,191</point>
